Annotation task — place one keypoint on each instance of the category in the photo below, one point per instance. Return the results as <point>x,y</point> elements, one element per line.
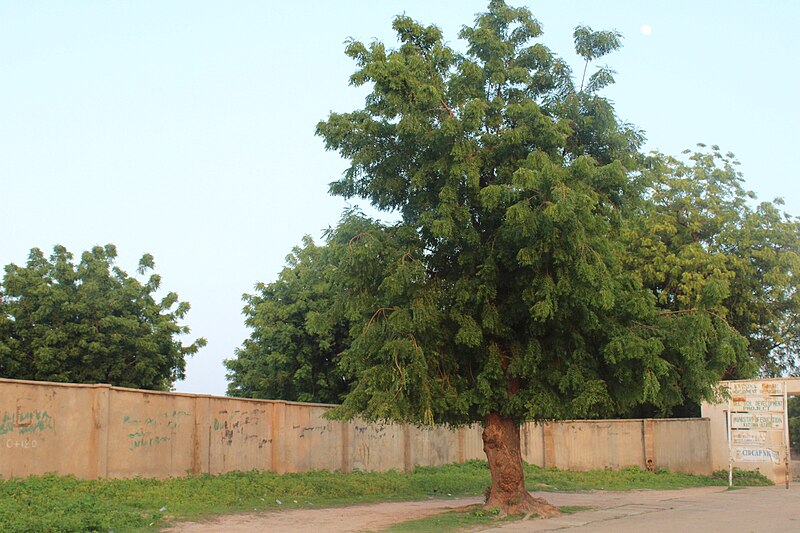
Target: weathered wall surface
<point>97,431</point>
<point>51,429</point>
<point>149,434</point>
<point>578,445</point>
<point>678,444</point>
<point>683,445</point>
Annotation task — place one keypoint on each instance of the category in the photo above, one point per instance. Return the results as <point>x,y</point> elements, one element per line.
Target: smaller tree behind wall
<point>90,322</point>
<point>703,238</point>
<point>293,349</point>
<point>794,426</point>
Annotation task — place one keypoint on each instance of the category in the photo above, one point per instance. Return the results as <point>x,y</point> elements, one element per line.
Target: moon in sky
<point>646,29</point>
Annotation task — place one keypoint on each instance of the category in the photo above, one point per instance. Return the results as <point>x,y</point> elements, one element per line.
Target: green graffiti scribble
<point>145,442</point>
<point>174,419</point>
<point>7,426</point>
<point>39,421</point>
<point>143,437</point>
<point>26,422</point>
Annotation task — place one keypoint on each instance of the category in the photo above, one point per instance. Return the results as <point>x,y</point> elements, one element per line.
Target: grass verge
<point>57,503</point>
<point>555,480</point>
<point>466,520</point>
<point>463,520</point>
<point>572,509</point>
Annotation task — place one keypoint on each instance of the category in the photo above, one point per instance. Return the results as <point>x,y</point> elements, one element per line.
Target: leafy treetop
<point>700,238</point>
<point>503,288</point>
<point>292,352</point>
<point>89,322</point>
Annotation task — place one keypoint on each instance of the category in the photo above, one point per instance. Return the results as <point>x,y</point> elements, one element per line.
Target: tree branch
<point>355,238</point>
<point>585,66</point>
<point>684,311</point>
<point>452,115</point>
<point>679,312</point>
<point>381,311</point>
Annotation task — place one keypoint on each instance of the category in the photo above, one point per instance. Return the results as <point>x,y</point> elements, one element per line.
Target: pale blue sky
<point>186,128</point>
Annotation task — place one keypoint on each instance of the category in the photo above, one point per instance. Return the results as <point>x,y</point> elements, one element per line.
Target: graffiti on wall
<point>366,437</point>
<point>21,428</point>
<point>152,431</point>
<point>319,429</point>
<point>240,425</point>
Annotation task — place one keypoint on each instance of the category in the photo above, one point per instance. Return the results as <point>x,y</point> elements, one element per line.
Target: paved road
<point>706,510</point>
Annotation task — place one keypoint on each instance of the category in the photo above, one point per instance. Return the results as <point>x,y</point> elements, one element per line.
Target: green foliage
<point>591,45</point>
<point>293,349</point>
<point>633,478</point>
<point>742,478</point>
<point>54,503</point>
<point>507,285</point>
<point>572,509</point>
<point>701,245</point>
<point>461,520</point>
<point>89,322</point>
<point>794,424</point>
<point>542,266</point>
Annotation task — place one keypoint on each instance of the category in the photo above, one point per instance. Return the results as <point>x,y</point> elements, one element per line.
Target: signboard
<point>756,455</point>
<point>748,437</point>
<point>756,388</point>
<point>757,424</point>
<point>756,420</point>
<point>757,403</point>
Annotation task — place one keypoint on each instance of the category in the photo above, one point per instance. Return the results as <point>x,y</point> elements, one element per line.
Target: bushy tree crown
<point>90,322</point>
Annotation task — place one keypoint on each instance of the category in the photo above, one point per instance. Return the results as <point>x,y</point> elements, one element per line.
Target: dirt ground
<point>701,509</point>
<point>369,517</point>
<point>372,517</point>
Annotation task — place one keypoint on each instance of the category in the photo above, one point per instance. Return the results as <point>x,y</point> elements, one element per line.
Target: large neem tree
<point>90,322</point>
<point>501,295</point>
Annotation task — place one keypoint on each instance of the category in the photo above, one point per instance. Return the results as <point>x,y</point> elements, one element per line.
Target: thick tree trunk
<point>501,445</point>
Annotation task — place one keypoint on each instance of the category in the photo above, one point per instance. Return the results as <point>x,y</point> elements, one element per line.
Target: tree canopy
<point>525,205</point>
<point>504,286</point>
<point>90,322</point>
<point>700,227</point>
<point>292,352</point>
<point>701,236</point>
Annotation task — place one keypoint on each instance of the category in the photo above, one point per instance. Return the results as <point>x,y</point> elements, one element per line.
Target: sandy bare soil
<point>700,509</point>
<point>367,517</point>
<point>371,517</point>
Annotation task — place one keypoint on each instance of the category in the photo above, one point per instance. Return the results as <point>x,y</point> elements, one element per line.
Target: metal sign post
<point>786,435</point>
<point>730,446</point>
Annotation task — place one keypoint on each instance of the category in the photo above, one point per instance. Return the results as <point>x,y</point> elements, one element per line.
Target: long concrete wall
<point>98,431</point>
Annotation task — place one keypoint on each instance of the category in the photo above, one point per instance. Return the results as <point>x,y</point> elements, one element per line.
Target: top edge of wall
<point>615,420</point>
<point>145,391</point>
<point>760,380</point>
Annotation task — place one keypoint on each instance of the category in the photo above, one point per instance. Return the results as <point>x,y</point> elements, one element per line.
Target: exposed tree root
<point>522,503</point>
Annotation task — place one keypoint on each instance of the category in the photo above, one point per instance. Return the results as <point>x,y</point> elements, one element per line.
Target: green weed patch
<point>58,503</point>
<point>463,520</point>
<point>554,480</point>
